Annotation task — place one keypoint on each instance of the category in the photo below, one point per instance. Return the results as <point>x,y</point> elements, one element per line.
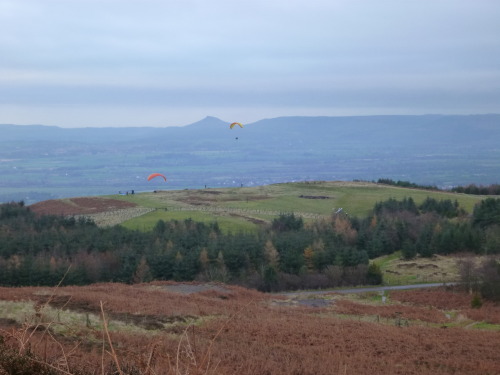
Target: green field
<point>243,209</point>
<point>227,223</point>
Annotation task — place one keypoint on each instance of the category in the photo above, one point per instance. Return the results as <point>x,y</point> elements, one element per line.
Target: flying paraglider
<point>153,175</point>
<point>234,124</point>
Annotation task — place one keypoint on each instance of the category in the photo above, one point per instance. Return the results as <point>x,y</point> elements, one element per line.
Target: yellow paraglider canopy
<point>235,123</point>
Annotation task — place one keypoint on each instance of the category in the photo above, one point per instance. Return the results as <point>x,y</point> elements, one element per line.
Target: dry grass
<point>393,312</point>
<point>450,301</point>
<point>436,269</point>
<point>238,331</point>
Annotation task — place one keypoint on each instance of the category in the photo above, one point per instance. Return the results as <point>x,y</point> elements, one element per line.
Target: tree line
<point>286,254</point>
<point>406,184</point>
<point>493,189</point>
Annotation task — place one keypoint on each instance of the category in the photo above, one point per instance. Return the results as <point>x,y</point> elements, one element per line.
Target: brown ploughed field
<point>79,206</point>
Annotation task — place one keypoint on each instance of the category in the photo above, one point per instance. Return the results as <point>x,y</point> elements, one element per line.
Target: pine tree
<point>374,275</point>
<point>408,250</point>
<point>271,254</point>
<point>309,258</point>
<point>204,260</point>
<point>221,270</point>
<point>142,273</point>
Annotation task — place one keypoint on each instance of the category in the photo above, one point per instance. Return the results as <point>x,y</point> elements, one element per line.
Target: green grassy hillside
<point>244,208</point>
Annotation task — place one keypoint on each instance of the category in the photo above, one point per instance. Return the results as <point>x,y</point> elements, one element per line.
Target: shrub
<point>12,362</point>
<point>476,302</point>
<point>374,275</point>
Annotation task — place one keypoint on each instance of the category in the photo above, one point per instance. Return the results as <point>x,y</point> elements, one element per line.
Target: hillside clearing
<point>244,208</point>
<point>438,268</point>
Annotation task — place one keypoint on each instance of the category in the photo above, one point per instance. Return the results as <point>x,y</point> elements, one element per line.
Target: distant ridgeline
<point>38,161</point>
<point>286,254</point>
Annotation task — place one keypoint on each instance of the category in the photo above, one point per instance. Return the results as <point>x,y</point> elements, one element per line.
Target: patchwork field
<point>242,209</point>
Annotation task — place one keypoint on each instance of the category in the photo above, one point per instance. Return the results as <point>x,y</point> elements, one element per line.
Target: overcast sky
<point>75,63</point>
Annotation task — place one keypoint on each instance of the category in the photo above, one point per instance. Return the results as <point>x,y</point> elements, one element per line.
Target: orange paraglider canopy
<point>153,175</point>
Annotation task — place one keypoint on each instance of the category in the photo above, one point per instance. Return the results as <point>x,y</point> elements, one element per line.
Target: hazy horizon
<point>246,123</point>
<point>112,63</point>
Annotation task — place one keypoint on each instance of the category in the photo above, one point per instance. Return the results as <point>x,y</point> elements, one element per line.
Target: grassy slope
<point>437,269</point>
<point>240,208</point>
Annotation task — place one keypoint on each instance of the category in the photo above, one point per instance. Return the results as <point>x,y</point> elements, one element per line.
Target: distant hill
<point>39,162</point>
